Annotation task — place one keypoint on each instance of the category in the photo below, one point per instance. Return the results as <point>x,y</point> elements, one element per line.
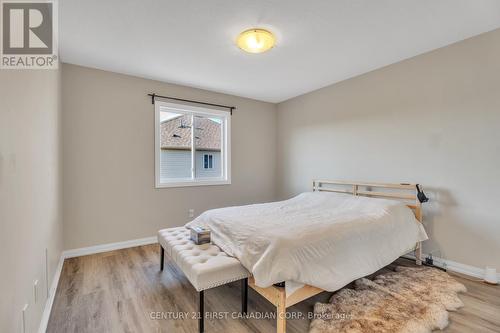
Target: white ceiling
<point>320,42</point>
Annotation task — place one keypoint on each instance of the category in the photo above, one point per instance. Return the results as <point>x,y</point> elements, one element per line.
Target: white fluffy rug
<point>409,300</point>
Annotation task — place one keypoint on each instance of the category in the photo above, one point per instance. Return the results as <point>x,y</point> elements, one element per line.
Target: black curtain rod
<point>153,96</point>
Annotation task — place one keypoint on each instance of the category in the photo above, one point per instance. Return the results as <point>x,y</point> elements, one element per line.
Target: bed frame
<point>404,191</point>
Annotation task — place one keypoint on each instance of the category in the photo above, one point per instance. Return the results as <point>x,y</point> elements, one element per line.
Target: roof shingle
<point>176,133</point>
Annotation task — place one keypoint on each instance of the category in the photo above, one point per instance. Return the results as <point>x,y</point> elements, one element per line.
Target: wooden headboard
<point>404,191</point>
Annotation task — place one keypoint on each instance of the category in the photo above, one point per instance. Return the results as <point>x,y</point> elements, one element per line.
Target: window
<point>208,161</point>
<point>192,145</point>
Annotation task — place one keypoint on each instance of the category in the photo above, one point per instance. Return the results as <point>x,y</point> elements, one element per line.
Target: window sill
<point>193,183</point>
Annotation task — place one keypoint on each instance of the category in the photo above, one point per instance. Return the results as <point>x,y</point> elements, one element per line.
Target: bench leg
<point>162,257</point>
<point>201,318</point>
<point>244,296</point>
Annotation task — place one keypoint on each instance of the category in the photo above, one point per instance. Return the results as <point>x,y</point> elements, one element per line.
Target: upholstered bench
<point>206,266</point>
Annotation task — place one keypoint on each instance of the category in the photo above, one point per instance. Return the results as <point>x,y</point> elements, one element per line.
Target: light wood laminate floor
<point>124,291</point>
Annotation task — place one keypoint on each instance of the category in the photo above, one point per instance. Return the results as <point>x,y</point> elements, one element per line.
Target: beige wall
<point>30,183</point>
<point>433,119</point>
<point>108,149</point>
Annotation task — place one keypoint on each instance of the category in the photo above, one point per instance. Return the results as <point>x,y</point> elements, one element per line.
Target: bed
<point>320,240</point>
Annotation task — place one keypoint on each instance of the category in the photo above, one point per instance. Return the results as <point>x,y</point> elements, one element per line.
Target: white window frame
<point>225,178</point>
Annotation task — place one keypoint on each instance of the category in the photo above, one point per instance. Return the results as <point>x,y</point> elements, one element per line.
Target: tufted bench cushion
<point>206,266</point>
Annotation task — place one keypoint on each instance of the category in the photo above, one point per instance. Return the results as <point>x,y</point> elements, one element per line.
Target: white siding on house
<point>177,164</point>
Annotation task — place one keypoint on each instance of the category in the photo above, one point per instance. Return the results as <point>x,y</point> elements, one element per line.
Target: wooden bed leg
<point>418,254</point>
<point>281,312</point>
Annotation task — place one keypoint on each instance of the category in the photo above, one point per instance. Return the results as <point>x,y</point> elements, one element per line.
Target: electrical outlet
<point>429,261</point>
<point>24,324</point>
<point>35,291</point>
<point>191,212</point>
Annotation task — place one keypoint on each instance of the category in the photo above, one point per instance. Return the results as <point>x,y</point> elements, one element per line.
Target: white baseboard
<point>109,247</point>
<point>454,266</point>
<point>44,321</point>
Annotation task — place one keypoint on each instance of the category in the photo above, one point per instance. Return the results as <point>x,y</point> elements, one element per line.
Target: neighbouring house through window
<point>192,145</point>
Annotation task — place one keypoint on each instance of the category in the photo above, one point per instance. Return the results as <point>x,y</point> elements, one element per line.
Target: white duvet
<point>322,239</point>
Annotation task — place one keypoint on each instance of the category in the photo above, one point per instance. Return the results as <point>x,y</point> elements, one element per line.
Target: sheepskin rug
<point>409,300</point>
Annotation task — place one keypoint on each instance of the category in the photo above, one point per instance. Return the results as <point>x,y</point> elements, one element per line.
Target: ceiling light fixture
<point>255,40</point>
